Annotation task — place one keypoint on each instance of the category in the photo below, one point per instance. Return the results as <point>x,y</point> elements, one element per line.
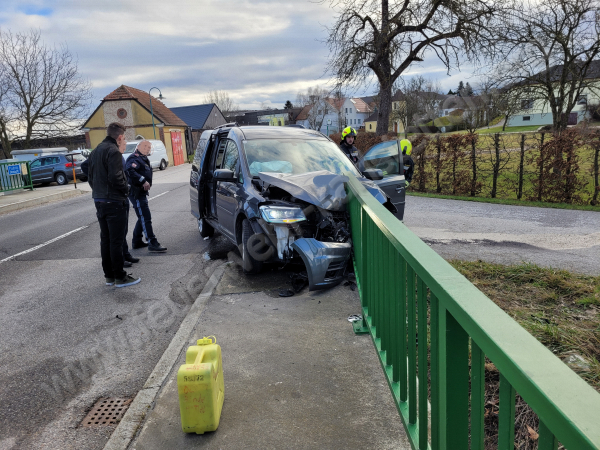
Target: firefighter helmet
<point>348,131</point>
<point>406,146</point>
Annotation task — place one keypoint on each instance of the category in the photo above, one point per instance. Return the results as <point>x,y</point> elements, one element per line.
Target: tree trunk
<point>438,167</point>
<point>474,165</point>
<point>385,106</point>
<point>596,175</point>
<point>521,168</point>
<point>541,169</point>
<point>495,165</point>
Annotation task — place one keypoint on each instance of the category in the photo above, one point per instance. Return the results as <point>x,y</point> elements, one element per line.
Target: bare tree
<point>222,100</point>
<point>43,94</point>
<point>385,37</point>
<point>550,51</point>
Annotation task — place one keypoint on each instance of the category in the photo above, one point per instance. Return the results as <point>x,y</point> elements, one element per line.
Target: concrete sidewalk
<point>21,199</point>
<point>296,376</point>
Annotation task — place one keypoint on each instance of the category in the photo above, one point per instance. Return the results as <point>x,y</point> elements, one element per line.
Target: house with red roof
<point>131,107</point>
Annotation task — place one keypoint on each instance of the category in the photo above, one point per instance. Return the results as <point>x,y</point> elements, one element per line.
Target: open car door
<point>387,157</point>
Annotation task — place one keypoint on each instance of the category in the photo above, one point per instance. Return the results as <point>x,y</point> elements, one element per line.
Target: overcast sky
<point>256,50</point>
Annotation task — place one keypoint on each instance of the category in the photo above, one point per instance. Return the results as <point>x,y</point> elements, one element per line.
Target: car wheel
<point>205,229</point>
<point>61,179</point>
<point>251,265</point>
<point>163,164</point>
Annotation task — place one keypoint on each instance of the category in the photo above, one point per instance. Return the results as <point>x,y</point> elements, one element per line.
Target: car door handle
<point>399,188</point>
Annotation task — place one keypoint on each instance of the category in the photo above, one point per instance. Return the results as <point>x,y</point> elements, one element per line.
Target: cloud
<point>256,50</point>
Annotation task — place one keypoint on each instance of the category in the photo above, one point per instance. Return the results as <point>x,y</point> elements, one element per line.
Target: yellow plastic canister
<point>201,388</point>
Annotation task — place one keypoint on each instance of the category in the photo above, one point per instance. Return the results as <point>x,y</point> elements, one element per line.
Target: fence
<point>410,298</point>
<point>15,175</point>
<point>520,166</point>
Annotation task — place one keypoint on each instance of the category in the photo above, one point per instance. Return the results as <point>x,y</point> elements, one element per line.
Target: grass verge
<point>507,201</point>
<point>560,309</point>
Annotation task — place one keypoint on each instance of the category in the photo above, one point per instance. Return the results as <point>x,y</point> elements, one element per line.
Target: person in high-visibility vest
<point>347,144</point>
<point>409,164</point>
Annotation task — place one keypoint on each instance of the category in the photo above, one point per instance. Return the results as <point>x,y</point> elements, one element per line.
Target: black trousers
<point>144,222</point>
<point>112,217</point>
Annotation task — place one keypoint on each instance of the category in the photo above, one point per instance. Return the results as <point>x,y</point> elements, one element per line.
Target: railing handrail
<point>9,182</point>
<point>566,404</point>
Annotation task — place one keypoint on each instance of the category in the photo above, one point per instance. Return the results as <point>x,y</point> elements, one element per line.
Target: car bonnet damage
<point>305,215</point>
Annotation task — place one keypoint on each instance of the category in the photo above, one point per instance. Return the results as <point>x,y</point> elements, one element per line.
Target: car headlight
<point>282,214</point>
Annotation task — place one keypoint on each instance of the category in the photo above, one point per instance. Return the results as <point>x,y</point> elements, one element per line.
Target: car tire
<point>163,164</point>
<point>61,179</point>
<point>205,229</point>
<point>250,265</point>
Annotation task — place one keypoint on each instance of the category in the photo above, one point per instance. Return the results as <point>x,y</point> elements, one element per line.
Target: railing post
<point>435,372</point>
<point>477,396</point>
<point>456,386</point>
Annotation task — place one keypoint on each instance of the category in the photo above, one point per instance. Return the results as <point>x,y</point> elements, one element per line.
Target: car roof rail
<point>227,125</point>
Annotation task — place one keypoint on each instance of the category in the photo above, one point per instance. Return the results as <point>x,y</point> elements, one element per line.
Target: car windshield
<point>130,148</point>
<point>296,156</point>
<point>383,156</point>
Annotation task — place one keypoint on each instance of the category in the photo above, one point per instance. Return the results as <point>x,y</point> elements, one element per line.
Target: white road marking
<point>44,244</point>
<point>156,196</point>
<point>60,237</point>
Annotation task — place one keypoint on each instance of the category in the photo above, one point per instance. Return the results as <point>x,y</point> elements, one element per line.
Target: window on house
<point>527,104</point>
<point>359,120</point>
<point>526,118</point>
<point>370,126</point>
<point>582,100</point>
<point>346,109</point>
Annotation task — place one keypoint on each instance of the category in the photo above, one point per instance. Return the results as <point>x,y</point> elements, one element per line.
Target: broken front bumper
<point>325,261</point>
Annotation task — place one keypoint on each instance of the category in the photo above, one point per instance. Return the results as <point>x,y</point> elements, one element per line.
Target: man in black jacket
<point>139,174</point>
<point>109,191</point>
<point>128,258</point>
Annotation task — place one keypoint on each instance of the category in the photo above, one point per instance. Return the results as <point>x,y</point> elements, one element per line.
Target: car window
<point>130,148</point>
<point>384,156</point>
<point>46,161</point>
<point>53,160</point>
<point>199,152</point>
<point>231,156</point>
<point>36,163</point>
<point>296,156</point>
<point>77,157</point>
<point>220,154</point>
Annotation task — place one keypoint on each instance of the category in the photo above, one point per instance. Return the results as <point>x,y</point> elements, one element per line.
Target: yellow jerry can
<point>201,388</point>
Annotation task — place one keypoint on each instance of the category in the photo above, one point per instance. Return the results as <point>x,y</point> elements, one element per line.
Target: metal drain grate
<point>106,411</point>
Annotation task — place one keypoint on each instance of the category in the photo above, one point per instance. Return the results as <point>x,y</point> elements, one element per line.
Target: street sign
<point>14,170</point>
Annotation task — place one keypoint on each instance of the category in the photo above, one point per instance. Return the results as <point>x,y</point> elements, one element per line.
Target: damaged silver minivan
<point>278,194</point>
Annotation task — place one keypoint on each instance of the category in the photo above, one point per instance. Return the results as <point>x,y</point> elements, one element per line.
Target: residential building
<point>536,111</point>
<point>199,118</point>
<point>131,107</point>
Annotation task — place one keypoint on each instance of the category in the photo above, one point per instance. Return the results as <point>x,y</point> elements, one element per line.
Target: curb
<point>131,422</point>
<point>41,200</point>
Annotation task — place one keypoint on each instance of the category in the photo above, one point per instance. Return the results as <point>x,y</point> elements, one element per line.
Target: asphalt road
<point>558,238</point>
<point>67,339</point>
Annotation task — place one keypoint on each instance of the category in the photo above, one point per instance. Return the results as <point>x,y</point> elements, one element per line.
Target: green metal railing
<point>15,175</point>
<point>411,297</point>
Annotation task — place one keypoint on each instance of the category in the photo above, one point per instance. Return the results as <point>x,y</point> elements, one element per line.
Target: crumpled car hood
<point>321,188</point>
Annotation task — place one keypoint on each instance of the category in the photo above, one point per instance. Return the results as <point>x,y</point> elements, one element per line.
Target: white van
<point>158,155</point>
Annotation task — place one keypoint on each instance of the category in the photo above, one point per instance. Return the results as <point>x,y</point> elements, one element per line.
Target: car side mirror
<point>373,174</point>
<point>224,175</point>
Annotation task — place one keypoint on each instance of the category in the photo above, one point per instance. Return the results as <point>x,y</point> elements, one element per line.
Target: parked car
<point>387,157</point>
<point>158,155</point>
<point>59,168</point>
<point>278,194</point>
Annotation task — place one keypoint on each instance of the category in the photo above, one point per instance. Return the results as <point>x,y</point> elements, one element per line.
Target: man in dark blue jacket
<point>139,174</point>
